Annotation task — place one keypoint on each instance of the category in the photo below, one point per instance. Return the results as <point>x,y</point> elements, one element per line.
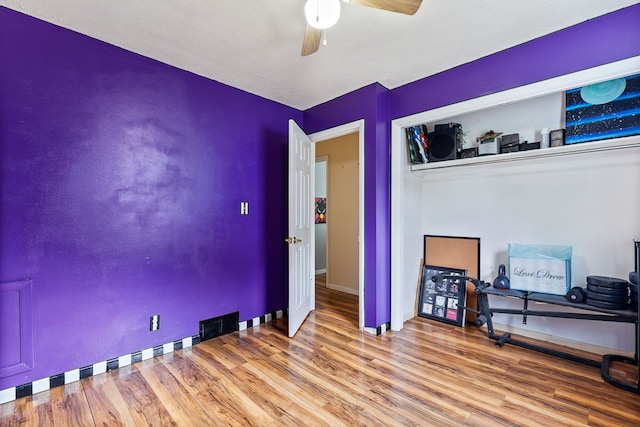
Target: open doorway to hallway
<point>356,128</point>
<point>337,219</point>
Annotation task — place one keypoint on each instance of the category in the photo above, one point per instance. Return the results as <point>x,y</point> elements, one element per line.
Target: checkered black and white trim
<point>261,319</point>
<point>12,393</point>
<point>379,330</point>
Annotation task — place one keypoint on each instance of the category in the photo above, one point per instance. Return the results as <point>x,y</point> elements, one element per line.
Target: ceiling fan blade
<point>311,41</point>
<point>408,7</point>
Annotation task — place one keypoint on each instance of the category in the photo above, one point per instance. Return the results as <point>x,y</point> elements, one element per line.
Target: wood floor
<point>429,374</point>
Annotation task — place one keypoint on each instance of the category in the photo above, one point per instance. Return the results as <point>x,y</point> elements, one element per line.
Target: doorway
<point>353,128</point>
<point>336,225</point>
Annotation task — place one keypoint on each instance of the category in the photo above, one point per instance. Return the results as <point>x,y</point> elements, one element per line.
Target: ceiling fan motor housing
<point>322,14</point>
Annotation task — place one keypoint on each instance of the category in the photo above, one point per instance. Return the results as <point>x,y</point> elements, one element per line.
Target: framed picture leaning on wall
<point>442,300</point>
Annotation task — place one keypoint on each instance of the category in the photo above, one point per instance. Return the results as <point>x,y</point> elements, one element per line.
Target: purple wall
<point>121,182</point>
<point>370,103</point>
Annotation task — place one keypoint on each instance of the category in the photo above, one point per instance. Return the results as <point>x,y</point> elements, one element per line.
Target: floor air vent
<point>220,325</point>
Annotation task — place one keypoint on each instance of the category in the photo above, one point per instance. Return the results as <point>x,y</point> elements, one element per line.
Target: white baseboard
<point>321,271</point>
<point>578,345</point>
<point>344,289</point>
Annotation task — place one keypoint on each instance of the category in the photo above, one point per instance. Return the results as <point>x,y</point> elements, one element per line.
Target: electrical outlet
<point>154,323</point>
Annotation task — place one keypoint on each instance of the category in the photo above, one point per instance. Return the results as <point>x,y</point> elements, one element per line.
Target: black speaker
<point>445,142</point>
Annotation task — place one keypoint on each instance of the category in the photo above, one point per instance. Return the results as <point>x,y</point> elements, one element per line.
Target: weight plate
<point>605,290</point>
<point>575,294</point>
<point>609,282</point>
<point>617,299</point>
<point>607,305</point>
<point>633,277</point>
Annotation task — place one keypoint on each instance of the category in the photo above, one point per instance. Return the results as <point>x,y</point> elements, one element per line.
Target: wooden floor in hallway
<point>330,373</point>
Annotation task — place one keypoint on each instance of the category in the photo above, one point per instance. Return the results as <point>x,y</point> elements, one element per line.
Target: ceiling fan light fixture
<point>322,14</point>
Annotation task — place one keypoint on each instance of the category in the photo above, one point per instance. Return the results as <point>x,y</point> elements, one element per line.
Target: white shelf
<point>540,153</point>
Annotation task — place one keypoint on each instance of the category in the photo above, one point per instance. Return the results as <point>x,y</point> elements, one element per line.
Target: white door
<point>300,239</point>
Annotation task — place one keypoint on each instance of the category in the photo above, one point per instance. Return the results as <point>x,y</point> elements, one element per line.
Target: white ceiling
<point>255,45</point>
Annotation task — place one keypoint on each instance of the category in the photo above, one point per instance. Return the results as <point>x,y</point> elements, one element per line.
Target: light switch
<point>244,208</point>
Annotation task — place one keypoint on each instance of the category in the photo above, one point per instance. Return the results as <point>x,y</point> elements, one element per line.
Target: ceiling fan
<point>322,14</point>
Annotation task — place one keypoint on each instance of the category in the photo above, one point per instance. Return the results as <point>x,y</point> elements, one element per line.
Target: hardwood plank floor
<point>429,374</point>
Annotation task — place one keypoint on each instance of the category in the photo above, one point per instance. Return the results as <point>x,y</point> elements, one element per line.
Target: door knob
<point>292,240</point>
